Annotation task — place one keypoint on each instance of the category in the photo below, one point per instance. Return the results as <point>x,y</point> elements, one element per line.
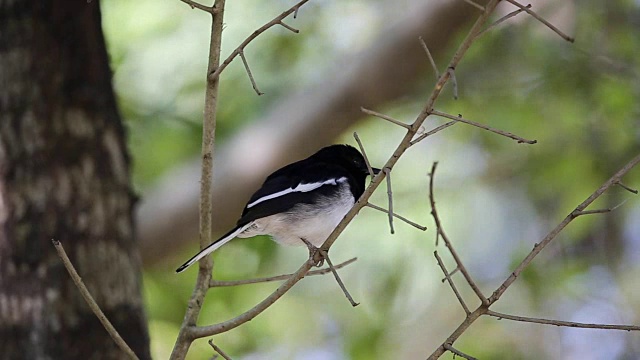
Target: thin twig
<point>542,20</point>
<point>195,5</point>
<point>447,276</point>
<point>598,211</point>
<point>485,127</point>
<point>91,302</point>
<point>218,350</point>
<point>276,21</point>
<point>445,238</point>
<point>385,117</point>
<point>433,131</point>
<point>390,197</point>
<point>246,66</point>
<point>325,255</point>
<point>458,352</point>
<point>223,283</point>
<point>562,323</point>
<point>364,154</point>
<point>475,4</point>
<point>454,82</point>
<point>292,29</point>
<point>416,225</point>
<point>433,62</point>
<point>502,19</point>
<point>627,188</point>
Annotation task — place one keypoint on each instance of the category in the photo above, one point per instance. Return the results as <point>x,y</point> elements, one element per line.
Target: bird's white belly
<point>313,223</point>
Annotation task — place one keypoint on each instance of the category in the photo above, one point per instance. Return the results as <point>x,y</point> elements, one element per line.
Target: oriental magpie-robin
<point>303,202</point>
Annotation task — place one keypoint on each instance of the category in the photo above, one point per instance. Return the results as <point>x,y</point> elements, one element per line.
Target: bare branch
<point>474,4</point>
<point>433,131</point>
<point>542,20</point>
<point>458,352</point>
<point>325,255</point>
<point>447,276</point>
<point>195,5</point>
<point>552,235</point>
<point>218,350</point>
<point>223,283</point>
<point>292,29</point>
<point>417,226</point>
<point>447,243</point>
<point>433,63</point>
<point>385,117</point>
<point>562,323</point>
<point>502,19</point>
<point>91,302</point>
<point>485,127</point>
<point>364,154</point>
<point>246,66</point>
<point>390,197</point>
<point>627,188</point>
<point>215,73</point>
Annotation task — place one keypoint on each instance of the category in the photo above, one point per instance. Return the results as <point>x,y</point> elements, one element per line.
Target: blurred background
<point>496,198</point>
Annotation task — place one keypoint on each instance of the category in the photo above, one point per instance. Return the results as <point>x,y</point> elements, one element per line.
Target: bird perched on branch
<point>303,202</point>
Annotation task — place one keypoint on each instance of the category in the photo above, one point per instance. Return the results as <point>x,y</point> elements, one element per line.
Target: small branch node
<point>385,117</point>
<point>246,66</point>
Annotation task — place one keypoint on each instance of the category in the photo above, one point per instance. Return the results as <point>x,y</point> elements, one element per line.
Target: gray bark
<point>64,174</point>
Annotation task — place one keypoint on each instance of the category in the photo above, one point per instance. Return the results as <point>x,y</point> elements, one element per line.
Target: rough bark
<point>64,174</point>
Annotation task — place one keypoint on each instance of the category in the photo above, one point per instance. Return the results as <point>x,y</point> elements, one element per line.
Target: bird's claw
<point>315,254</point>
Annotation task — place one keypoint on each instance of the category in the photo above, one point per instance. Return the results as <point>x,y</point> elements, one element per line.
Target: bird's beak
<point>376,171</point>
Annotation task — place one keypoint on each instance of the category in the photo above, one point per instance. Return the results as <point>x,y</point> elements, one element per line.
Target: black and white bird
<point>303,202</point>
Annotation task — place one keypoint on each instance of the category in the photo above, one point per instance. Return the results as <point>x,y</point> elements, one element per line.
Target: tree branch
<point>215,73</point>
<point>183,342</point>
<point>91,302</point>
<point>537,248</point>
<point>562,323</point>
<point>223,283</point>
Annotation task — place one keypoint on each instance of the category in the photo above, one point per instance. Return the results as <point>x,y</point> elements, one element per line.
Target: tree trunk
<point>64,174</point>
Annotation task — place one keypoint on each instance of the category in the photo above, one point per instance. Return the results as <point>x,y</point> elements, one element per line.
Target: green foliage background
<point>497,198</point>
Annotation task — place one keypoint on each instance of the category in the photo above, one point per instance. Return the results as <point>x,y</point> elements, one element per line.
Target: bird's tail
<point>214,246</point>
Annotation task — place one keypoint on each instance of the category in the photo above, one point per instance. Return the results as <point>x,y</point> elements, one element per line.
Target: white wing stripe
<point>299,188</point>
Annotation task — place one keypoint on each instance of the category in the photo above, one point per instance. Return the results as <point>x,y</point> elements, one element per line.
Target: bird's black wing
<point>300,182</point>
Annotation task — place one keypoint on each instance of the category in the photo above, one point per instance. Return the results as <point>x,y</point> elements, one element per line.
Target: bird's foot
<point>315,254</point>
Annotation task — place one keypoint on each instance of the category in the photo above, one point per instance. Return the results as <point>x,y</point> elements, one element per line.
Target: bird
<point>301,203</point>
